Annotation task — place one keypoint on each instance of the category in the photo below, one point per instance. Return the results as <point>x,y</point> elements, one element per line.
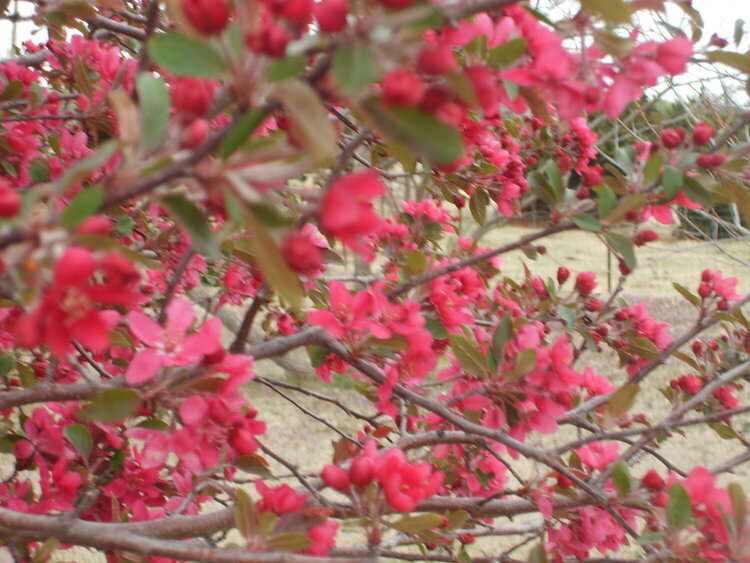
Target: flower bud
<point>10,202</point>
<point>646,236</point>
<point>331,15</point>
<point>192,98</point>
<point>653,480</point>
<point>562,275</point>
<point>335,477</point>
<point>362,471</point>
<point>209,17</point>
<point>672,138</point>
<point>710,161</point>
<point>702,133</point>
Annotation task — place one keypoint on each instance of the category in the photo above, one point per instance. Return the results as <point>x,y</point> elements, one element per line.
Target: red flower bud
<point>195,134</point>
<point>585,283</point>
<point>702,133</point>
<point>717,41</point>
<point>710,161</point>
<point>335,477</point>
<point>210,17</point>
<point>10,201</point>
<point>95,225</point>
<point>653,480</point>
<point>704,289</point>
<point>672,138</point>
<point>593,305</point>
<point>562,275</point>
<point>436,60</point>
<point>362,471</point>
<point>331,15</point>
<point>466,538</point>
<point>402,88</point>
<point>593,176</point>
<point>192,98</point>
<point>646,236</point>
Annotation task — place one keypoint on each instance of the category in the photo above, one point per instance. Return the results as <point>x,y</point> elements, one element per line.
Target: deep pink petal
<point>180,317</point>
<point>144,366</point>
<point>193,410</point>
<point>145,329</point>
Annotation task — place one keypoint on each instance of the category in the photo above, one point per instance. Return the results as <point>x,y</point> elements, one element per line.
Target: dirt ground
<point>308,444</point>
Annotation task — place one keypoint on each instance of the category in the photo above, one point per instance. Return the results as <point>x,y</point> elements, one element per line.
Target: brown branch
<point>116,537</point>
<point>240,340</point>
<point>117,27</point>
<point>477,258</point>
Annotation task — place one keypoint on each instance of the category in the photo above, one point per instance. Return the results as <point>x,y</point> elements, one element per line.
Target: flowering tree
<point>318,167</point>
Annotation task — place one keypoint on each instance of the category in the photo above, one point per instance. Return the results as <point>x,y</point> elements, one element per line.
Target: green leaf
<point>613,11</point>
<point>255,464</point>
<point>613,44</point>
<point>287,67</point>
<point>537,554</point>
<point>687,294</point>
<point>739,31</point>
<point>625,204</point>
<point>245,514</point>
<point>195,222</point>
<point>45,550</point>
<point>506,53</point>
<point>419,523</point>
<point>624,247</point>
<point>468,356</point>
<point>7,363</point>
<point>82,206</point>
<point>308,119</point>
<point>318,355</point>
<point>416,262</point>
<point>478,205</point>
<point>696,192</point>
<point>672,181</point>
<point>80,437</point>
<point>422,133</point>
<point>153,97</point>
<point>293,541</point>
<point>724,431</point>
<point>457,519</point>
<point>653,168</point>
<point>500,338</point>
<point>525,363</point>
<point>80,171</point>
<point>554,174</point>
<point>186,56</point>
<point>679,509</point>
<point>621,401</point>
<point>240,132</point>
<point>277,272</point>
<point>621,477</point>
<point>587,223</point>
<point>739,504</point>
<point>607,200</point>
<point>111,405</point>
<point>435,328</point>
<point>39,171</point>
<point>354,67</point>
<point>735,60</point>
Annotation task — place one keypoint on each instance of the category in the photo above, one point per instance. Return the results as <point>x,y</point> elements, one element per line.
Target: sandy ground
<point>308,444</point>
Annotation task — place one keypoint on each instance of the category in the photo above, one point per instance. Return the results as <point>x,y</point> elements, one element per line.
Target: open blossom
<point>170,345</point>
<point>73,309</point>
<point>346,211</point>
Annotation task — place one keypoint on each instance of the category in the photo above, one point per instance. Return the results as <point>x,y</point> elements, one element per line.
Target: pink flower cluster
<point>403,484</point>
